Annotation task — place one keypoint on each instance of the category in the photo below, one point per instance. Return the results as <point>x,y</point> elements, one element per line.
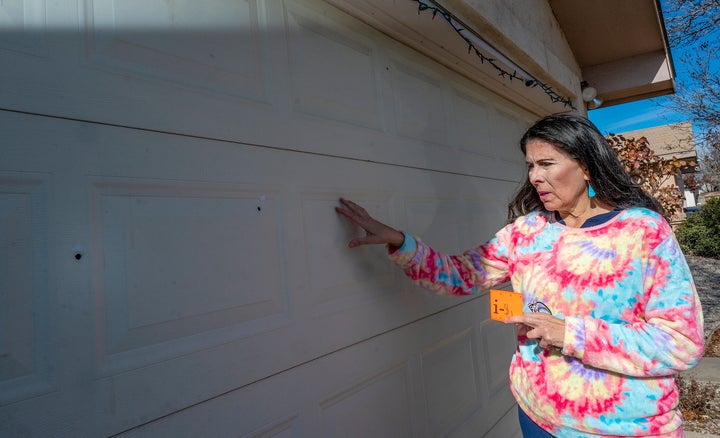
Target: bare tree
<point>694,32</point>
<point>698,94</point>
<point>688,21</point>
<point>709,160</point>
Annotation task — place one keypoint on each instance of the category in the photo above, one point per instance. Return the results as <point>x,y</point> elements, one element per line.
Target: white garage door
<point>170,261</point>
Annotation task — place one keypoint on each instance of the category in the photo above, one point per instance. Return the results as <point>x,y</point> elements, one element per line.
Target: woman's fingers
<point>357,214</point>
<point>355,211</point>
<point>376,232</point>
<point>548,329</point>
<point>349,211</point>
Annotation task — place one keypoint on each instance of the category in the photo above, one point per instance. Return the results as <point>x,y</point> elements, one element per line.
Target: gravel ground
<point>706,419</point>
<point>706,273</point>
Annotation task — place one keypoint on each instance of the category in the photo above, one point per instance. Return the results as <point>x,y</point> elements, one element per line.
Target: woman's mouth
<point>544,196</point>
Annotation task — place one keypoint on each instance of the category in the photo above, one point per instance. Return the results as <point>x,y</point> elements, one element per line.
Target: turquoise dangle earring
<point>591,191</point>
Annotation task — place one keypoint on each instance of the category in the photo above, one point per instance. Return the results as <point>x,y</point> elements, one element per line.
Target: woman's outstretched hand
<point>375,232</point>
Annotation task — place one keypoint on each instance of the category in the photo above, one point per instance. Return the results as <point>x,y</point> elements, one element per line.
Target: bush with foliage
<point>696,399</point>
<point>650,171</point>
<point>699,234</point>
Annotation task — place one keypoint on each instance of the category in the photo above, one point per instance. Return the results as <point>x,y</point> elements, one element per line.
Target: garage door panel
<point>186,44</point>
<point>153,220</point>
<point>148,225</point>
<point>295,75</point>
<point>346,90</point>
<point>437,220</point>
<point>339,278</point>
<point>418,103</point>
<point>508,129</point>
<point>23,26</point>
<point>476,118</point>
<point>493,346</point>
<point>482,221</point>
<point>496,372</point>
<point>470,124</point>
<point>169,261</point>
<point>449,379</point>
<point>465,376</point>
<point>379,406</point>
<point>25,359</point>
<point>283,429</point>
<point>391,385</point>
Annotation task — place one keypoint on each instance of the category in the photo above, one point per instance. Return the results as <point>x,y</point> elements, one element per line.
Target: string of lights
<point>468,36</point>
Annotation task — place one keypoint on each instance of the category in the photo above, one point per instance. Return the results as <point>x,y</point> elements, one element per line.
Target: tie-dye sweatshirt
<point>632,317</point>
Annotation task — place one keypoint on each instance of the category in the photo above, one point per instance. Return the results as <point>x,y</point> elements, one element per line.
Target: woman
<point>612,311</point>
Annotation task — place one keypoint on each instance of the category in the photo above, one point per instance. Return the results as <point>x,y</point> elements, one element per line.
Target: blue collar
<point>595,220</point>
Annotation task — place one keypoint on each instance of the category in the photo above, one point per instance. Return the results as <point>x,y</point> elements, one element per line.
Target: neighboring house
<point>170,261</point>
<point>705,196</point>
<point>673,141</point>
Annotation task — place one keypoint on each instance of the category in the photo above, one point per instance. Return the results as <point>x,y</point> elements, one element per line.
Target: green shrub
<point>709,214</point>
<point>699,234</point>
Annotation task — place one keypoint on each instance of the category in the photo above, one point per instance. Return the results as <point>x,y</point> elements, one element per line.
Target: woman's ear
<point>586,171</point>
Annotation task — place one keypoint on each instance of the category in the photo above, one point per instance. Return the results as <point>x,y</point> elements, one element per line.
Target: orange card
<point>504,304</point>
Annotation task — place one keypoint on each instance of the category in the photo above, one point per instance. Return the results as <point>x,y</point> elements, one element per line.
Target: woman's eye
<point>541,164</point>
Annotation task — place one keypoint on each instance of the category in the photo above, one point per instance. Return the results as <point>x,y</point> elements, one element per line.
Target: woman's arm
<point>473,271</point>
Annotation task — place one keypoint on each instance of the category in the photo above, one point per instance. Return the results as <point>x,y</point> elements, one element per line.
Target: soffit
<point>620,46</point>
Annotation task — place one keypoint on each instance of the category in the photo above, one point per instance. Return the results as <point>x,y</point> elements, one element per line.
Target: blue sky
<point>634,115</point>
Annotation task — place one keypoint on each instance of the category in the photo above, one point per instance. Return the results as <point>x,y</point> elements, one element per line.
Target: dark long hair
<point>579,138</point>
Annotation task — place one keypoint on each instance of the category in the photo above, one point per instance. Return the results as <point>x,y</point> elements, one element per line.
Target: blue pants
<point>529,428</point>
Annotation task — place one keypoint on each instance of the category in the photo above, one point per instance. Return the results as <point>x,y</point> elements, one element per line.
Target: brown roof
<point>674,140</point>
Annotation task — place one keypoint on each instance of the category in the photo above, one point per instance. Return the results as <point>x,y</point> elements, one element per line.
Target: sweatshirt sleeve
<point>664,335</point>
<point>468,273</point>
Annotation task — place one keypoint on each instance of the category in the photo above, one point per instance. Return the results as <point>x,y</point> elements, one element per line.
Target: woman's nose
<point>535,175</point>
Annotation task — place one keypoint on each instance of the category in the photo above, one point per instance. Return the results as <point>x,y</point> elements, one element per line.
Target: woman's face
<point>559,179</point>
